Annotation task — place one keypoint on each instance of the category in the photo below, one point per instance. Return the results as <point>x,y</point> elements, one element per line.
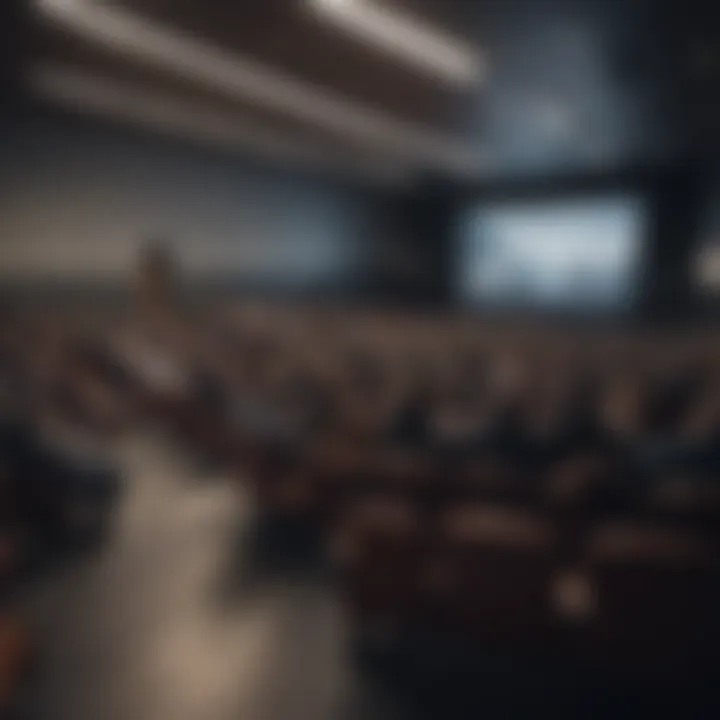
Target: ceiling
<point>572,85</point>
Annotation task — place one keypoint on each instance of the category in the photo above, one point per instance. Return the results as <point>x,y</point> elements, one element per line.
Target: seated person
<point>63,470</point>
<point>699,432</point>
<point>410,425</point>
<point>460,427</point>
<point>506,435</point>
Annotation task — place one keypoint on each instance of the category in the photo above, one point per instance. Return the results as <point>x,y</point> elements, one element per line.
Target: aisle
<point>174,619</point>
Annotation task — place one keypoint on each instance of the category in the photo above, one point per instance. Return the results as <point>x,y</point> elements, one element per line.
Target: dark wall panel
<point>673,197</point>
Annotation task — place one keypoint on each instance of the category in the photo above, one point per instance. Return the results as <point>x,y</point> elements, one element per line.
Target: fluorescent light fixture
<point>406,37</point>
<point>143,41</point>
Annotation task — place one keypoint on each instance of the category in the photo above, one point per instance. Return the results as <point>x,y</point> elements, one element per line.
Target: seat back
<point>487,575</point>
<point>658,593</point>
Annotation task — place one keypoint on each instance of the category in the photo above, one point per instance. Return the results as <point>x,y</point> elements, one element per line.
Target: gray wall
<point>79,199</point>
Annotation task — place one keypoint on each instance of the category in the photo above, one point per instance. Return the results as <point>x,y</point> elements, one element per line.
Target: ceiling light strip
<point>406,38</point>
<point>154,44</point>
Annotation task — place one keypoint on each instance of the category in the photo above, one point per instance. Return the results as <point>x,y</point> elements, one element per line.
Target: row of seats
<point>537,491</point>
<point>602,555</point>
<point>633,596</point>
<point>321,483</point>
<point>578,564</point>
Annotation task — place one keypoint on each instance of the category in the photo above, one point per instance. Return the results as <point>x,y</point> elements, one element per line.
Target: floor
<point>177,617</point>
<point>186,613</point>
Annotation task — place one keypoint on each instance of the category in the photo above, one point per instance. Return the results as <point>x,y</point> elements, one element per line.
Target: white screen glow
<point>573,254</point>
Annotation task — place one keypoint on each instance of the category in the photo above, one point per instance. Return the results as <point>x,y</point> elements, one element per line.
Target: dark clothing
<point>411,426</point>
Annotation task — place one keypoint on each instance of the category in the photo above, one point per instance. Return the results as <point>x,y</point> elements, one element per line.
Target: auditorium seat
<point>377,548</point>
<point>657,594</point>
<point>342,474</point>
<point>16,654</point>
<point>689,500</point>
<point>486,577</point>
<point>489,478</point>
<point>575,491</point>
<point>402,473</point>
<point>290,494</point>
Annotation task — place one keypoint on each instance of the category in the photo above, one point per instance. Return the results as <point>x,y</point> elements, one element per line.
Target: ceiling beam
<point>151,43</point>
<point>131,103</point>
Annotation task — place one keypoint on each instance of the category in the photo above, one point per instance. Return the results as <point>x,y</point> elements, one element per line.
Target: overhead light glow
<point>406,37</point>
<point>132,36</point>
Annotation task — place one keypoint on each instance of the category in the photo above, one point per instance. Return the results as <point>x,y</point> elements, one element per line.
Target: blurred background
<point>358,357</point>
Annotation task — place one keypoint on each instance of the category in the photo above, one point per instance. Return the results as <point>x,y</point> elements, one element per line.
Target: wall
<point>79,199</point>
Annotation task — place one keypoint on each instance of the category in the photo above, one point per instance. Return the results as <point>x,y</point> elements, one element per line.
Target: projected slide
<point>575,255</point>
